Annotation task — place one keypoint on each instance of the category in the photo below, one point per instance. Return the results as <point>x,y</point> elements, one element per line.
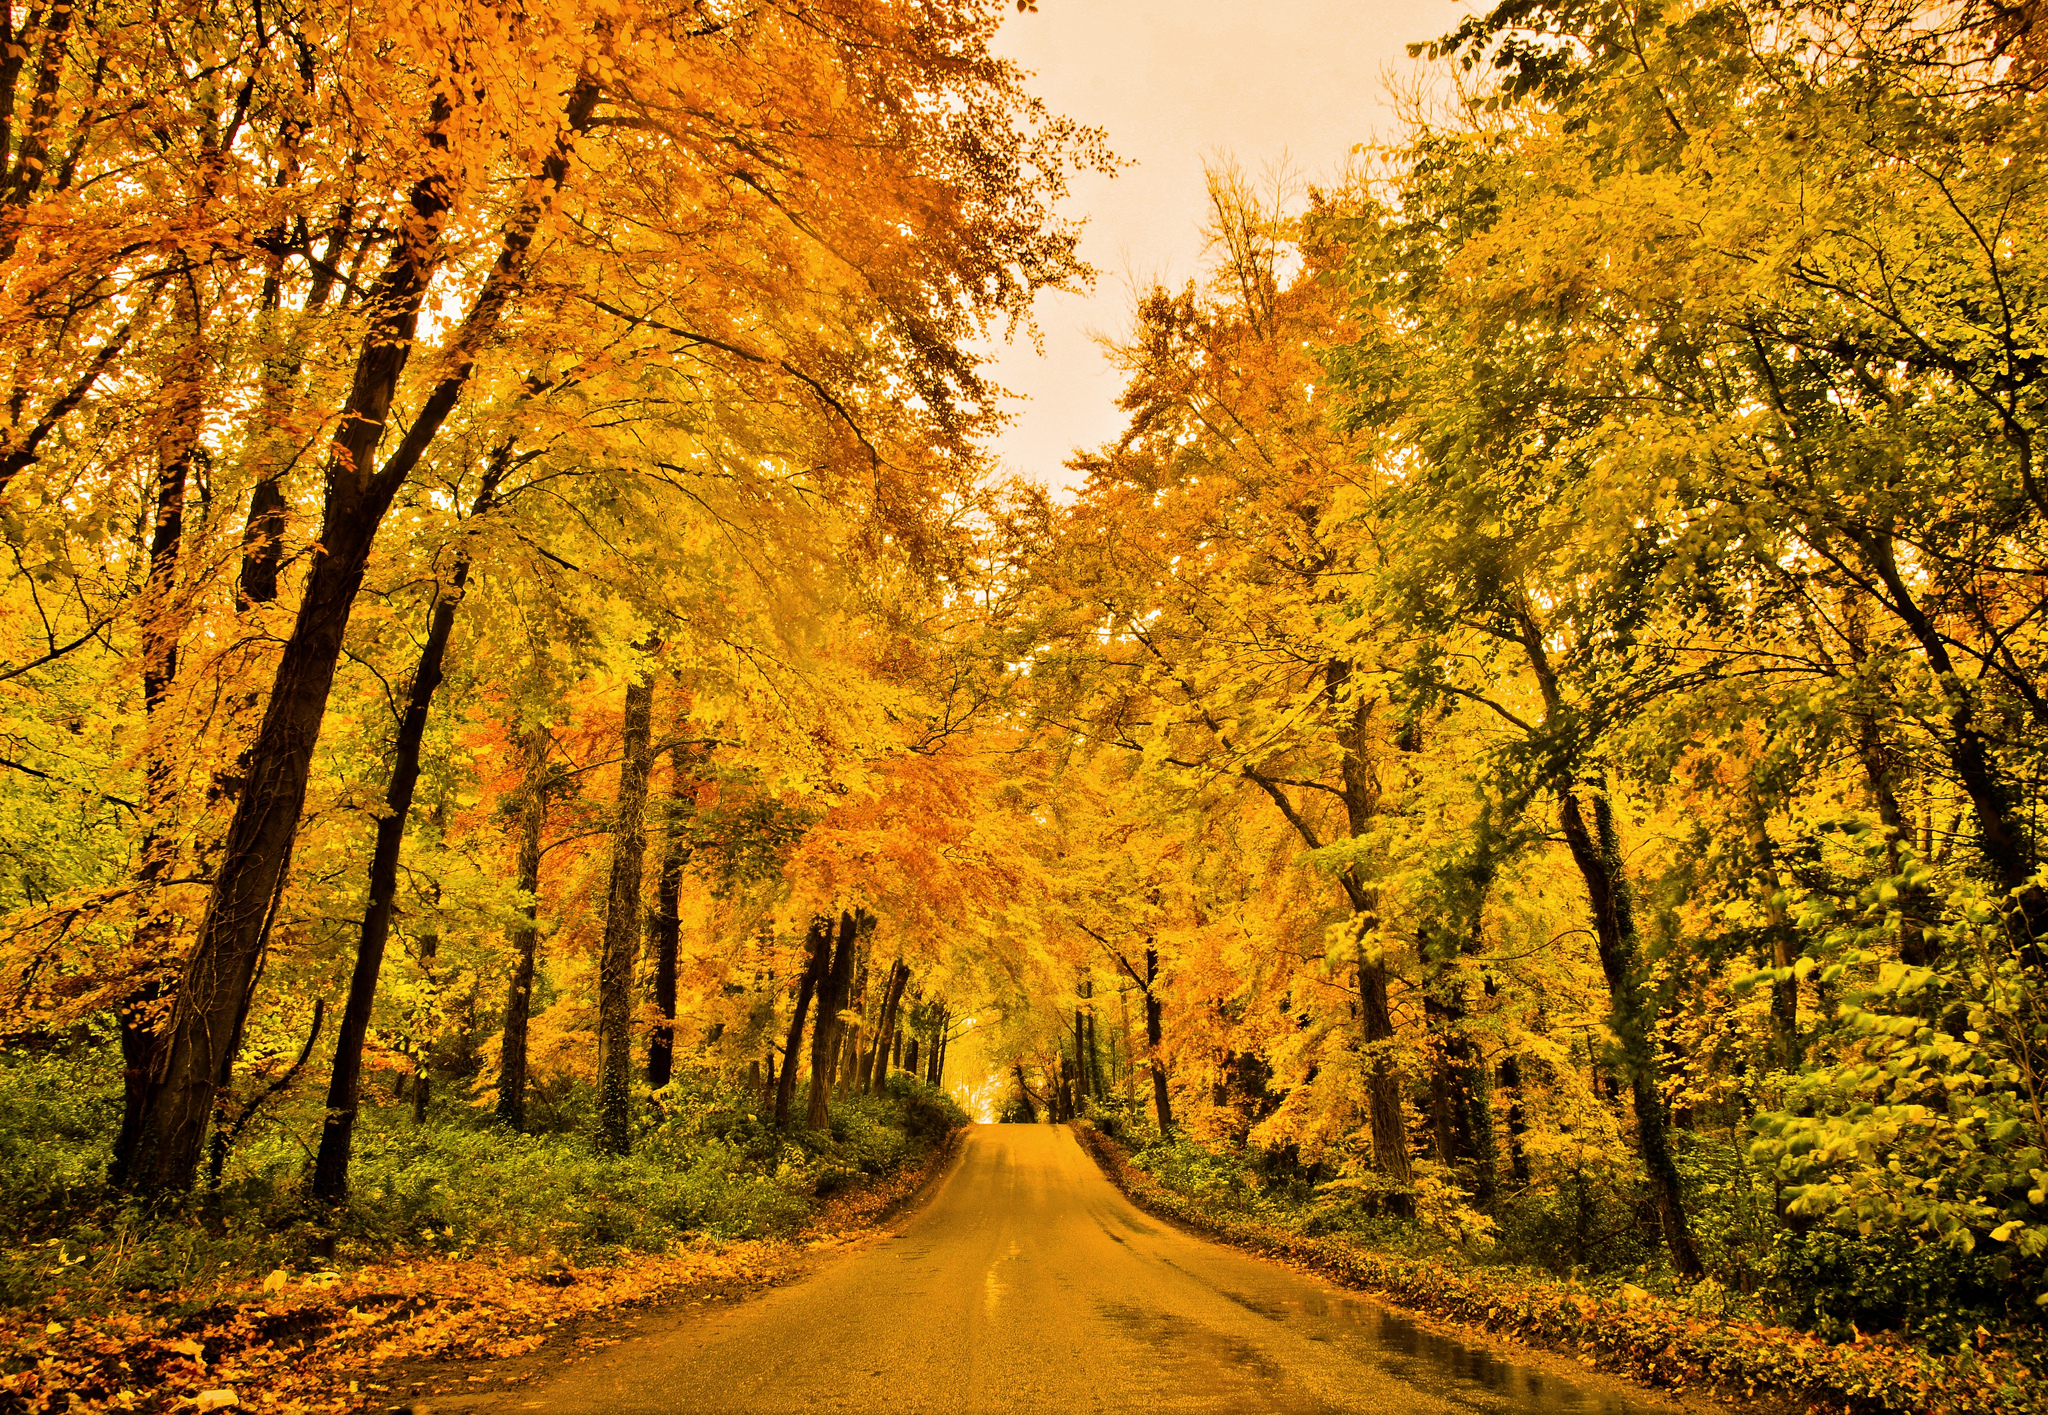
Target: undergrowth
<point>706,1163</point>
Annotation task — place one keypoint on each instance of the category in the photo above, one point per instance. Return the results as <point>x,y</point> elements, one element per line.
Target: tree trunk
<point>423,1083</point>
<point>525,934</point>
<point>668,929</point>
<point>853,1058</point>
<point>937,1062</point>
<point>621,952</point>
<point>1155,1032</point>
<point>1096,1086</point>
<point>344,1086</point>
<point>216,987</point>
<point>885,1030</point>
<point>2007,842</point>
<point>825,1040</point>
<point>1632,1013</point>
<point>1785,1047</point>
<point>817,970</point>
<point>137,1016</point>
<point>1511,1082</point>
<point>1383,1085</point>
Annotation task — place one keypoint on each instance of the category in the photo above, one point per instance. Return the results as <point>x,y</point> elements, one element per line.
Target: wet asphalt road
<point>1028,1283</point>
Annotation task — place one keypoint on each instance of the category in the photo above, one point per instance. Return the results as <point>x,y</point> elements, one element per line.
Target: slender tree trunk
<point>853,1057</point>
<point>1096,1085</point>
<point>1123,1006</point>
<point>525,933</point>
<point>137,1016</point>
<point>344,1087</point>
<point>621,953</point>
<point>1632,1015</point>
<point>937,1062</point>
<point>215,990</point>
<point>885,1028</point>
<point>1785,1047</point>
<point>1511,1082</point>
<point>423,1083</point>
<point>2008,844</point>
<point>825,1040</point>
<point>1155,1034</point>
<point>817,971</point>
<point>668,929</point>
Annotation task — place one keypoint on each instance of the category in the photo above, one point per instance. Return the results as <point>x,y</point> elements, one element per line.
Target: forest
<point>533,735</point>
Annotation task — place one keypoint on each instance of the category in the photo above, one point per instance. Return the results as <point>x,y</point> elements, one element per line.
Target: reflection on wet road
<point>1030,1284</point>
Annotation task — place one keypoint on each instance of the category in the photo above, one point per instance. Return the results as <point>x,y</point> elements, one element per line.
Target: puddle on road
<point>1424,1360</point>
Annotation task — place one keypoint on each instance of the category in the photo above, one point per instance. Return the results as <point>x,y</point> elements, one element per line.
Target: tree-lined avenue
<point>1028,1283</point>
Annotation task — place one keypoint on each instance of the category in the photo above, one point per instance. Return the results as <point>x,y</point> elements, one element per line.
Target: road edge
<point>1653,1343</point>
<point>844,1220</point>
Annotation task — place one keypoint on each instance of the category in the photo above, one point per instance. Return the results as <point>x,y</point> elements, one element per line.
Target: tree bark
<point>817,969</point>
<point>136,1018</point>
<point>344,1087</point>
<point>525,934</point>
<point>1632,1013</point>
<point>825,1039</point>
<point>1511,1082</point>
<point>215,990</point>
<point>1155,1034</point>
<point>885,1030</point>
<point>668,929</point>
<point>937,1063</point>
<point>620,955</point>
<point>423,1081</point>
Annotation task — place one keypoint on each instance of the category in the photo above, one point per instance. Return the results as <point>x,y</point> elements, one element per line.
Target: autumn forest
<point>538,747</point>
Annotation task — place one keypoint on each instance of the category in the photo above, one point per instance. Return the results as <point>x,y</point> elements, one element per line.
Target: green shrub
<point>705,1161</point>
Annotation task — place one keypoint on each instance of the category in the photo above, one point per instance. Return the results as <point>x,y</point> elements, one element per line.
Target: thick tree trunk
<point>525,934</point>
<point>215,990</point>
<point>1383,1086</point>
<point>668,930</point>
<point>344,1087</point>
<point>620,955</point>
<point>1632,1013</point>
<point>817,970</point>
<point>825,1040</point>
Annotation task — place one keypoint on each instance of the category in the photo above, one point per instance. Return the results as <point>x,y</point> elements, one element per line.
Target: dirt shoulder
<point>1685,1355</point>
<point>387,1335</point>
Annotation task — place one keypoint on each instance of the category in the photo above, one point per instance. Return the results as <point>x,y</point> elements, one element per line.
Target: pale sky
<point>1175,82</point>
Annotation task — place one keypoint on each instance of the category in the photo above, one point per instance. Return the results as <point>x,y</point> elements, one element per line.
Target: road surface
<point>1029,1283</point>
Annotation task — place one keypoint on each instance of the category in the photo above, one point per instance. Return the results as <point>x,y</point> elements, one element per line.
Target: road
<point>1029,1283</point>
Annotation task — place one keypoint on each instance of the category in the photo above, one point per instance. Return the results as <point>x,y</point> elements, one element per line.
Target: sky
<point>1175,83</point>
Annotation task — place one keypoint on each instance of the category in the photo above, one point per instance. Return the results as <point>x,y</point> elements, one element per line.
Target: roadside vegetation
<point>1937,1339</point>
<point>478,1230</point>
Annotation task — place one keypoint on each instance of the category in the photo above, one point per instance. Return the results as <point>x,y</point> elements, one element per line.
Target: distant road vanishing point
<point>1029,1284</point>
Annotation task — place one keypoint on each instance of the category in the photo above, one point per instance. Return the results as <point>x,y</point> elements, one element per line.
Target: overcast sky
<point>1175,82</point>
